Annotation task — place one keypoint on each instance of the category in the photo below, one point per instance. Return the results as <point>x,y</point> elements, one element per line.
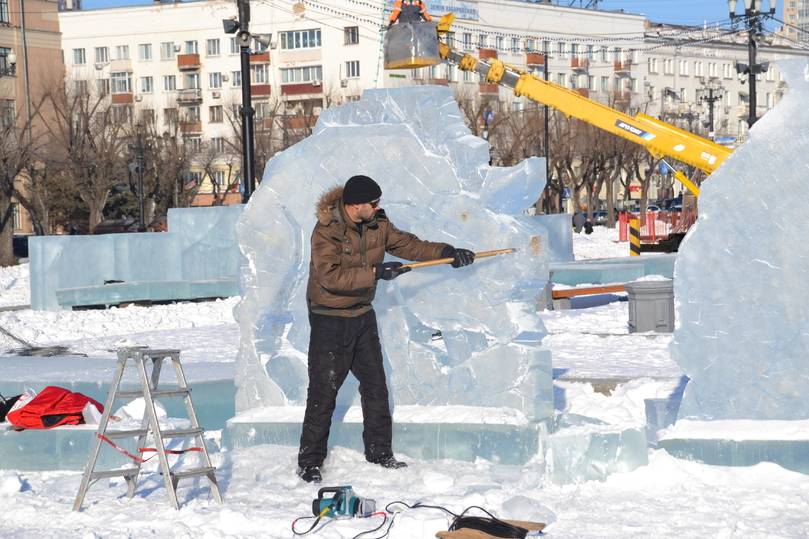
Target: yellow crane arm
<point>659,138</point>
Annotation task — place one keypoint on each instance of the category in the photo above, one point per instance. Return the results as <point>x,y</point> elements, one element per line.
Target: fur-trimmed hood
<point>328,206</point>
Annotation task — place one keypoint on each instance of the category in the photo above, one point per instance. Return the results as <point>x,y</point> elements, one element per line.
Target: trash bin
<point>651,306</point>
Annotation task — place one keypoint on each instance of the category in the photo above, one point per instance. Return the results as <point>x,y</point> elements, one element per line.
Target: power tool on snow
<point>344,502</point>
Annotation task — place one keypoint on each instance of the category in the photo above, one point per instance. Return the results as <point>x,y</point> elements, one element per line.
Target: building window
<point>16,222</point>
<point>147,116</point>
<point>236,79</point>
<point>215,114</point>
<point>499,43</point>
<point>259,74</point>
<point>467,41</point>
<point>167,50</point>
<point>145,51</point>
<point>483,41</point>
<point>169,83</point>
<point>121,83</point>
<point>4,52</point>
<point>561,49</point>
<point>191,114</point>
<point>560,78</point>
<point>218,178</point>
<point>258,46</point>
<point>122,52</point>
<point>170,116</point>
<point>234,46</point>
<point>103,87</point>
<point>4,12</point>
<point>351,35</point>
<point>353,69</point>
<point>215,80</point>
<point>605,84</point>
<point>102,54</point>
<point>7,115</point>
<point>191,81</point>
<point>301,39</point>
<point>78,57</point>
<point>194,144</point>
<point>301,74</point>
<point>262,109</point>
<point>605,55</point>
<point>121,114</point>
<point>529,45</point>
<point>684,68</point>
<point>546,46</point>
<point>668,66</point>
<point>146,85</point>
<point>652,65</point>
<point>191,47</point>
<point>80,87</point>
<point>212,47</point>
<point>218,143</point>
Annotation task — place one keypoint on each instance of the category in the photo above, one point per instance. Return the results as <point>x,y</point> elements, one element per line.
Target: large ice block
<point>741,275</point>
<point>198,257</point>
<point>560,235</point>
<point>450,336</point>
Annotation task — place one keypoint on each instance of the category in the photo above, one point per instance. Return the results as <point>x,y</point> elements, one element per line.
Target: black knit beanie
<point>361,189</point>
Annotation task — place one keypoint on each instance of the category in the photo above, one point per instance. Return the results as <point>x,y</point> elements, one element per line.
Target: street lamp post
<point>753,19</point>
<point>138,166</point>
<point>715,93</point>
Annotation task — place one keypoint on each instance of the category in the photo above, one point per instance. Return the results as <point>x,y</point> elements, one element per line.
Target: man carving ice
<point>349,243</point>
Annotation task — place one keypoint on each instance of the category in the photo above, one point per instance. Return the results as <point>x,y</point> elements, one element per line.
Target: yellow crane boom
<point>659,138</point>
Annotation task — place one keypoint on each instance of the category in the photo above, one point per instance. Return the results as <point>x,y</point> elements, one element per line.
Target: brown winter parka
<point>341,272</point>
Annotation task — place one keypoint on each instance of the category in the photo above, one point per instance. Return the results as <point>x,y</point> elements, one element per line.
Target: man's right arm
<point>329,273</point>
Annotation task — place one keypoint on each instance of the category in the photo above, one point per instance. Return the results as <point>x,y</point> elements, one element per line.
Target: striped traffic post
<point>634,236</point>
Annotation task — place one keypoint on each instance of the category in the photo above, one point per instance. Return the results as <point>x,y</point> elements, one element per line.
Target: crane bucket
<point>411,45</point>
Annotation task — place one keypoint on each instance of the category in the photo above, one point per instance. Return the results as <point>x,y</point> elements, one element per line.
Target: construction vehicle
<point>659,138</point>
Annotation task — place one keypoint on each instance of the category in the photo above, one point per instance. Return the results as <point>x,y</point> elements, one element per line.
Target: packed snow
<point>668,497</point>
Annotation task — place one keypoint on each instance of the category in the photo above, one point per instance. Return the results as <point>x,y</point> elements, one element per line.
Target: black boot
<point>310,474</point>
<point>388,462</point>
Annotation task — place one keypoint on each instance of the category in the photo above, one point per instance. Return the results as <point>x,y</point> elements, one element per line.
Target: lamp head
<point>230,25</point>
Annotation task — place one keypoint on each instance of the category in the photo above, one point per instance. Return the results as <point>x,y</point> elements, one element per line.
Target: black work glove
<point>389,270</point>
<point>461,257</point>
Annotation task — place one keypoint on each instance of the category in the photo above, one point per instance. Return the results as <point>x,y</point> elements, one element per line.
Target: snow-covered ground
<point>666,498</point>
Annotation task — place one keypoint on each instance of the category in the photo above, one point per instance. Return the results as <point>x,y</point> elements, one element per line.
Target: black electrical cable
<point>491,525</point>
<point>378,527</point>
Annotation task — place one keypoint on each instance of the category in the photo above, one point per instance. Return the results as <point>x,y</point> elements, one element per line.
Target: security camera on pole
<point>242,30</point>
<point>753,19</point>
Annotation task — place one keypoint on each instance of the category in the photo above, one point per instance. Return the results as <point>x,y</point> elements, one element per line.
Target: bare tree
<point>90,136</point>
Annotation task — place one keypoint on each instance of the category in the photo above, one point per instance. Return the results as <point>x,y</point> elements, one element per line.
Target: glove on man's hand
<point>389,270</point>
<point>461,257</point>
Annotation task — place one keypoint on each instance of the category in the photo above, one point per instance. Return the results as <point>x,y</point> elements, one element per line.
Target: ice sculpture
<point>741,275</point>
<point>468,337</point>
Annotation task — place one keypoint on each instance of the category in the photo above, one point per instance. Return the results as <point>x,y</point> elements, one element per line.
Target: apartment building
<point>33,43</point>
<point>796,15</point>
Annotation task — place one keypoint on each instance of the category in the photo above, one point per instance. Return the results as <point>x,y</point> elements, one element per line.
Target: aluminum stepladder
<point>149,425</point>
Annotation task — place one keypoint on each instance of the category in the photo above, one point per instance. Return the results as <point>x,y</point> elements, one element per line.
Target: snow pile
<point>15,287</point>
<point>741,275</point>
<point>602,243</point>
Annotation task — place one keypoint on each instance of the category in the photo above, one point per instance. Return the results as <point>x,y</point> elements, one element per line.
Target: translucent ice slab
<point>741,275</point>
<point>199,248</point>
<point>450,336</point>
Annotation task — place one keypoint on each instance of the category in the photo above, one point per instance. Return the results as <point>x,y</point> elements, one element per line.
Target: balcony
<point>582,92</point>
<point>189,96</point>
<point>579,65</point>
<point>489,88</point>
<point>485,54</point>
<point>188,62</point>
<point>259,90</point>
<point>535,59</point>
<point>260,58</point>
<point>302,88</point>
<point>300,122</point>
<point>122,99</point>
<point>622,67</point>
<point>189,128</point>
<point>621,98</point>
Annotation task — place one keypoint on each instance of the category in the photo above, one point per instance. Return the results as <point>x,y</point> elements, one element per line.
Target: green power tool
<point>344,502</point>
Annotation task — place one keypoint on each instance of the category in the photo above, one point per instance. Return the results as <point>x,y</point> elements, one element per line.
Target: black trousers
<point>338,345</point>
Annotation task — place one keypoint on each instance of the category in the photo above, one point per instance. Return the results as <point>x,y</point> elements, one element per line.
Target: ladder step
<point>174,433</point>
<point>126,472</point>
<point>196,472</point>
<point>159,353</point>
<point>155,394</point>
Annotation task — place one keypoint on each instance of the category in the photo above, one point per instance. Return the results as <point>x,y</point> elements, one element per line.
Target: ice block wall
<point>742,272</point>
<point>450,336</point>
